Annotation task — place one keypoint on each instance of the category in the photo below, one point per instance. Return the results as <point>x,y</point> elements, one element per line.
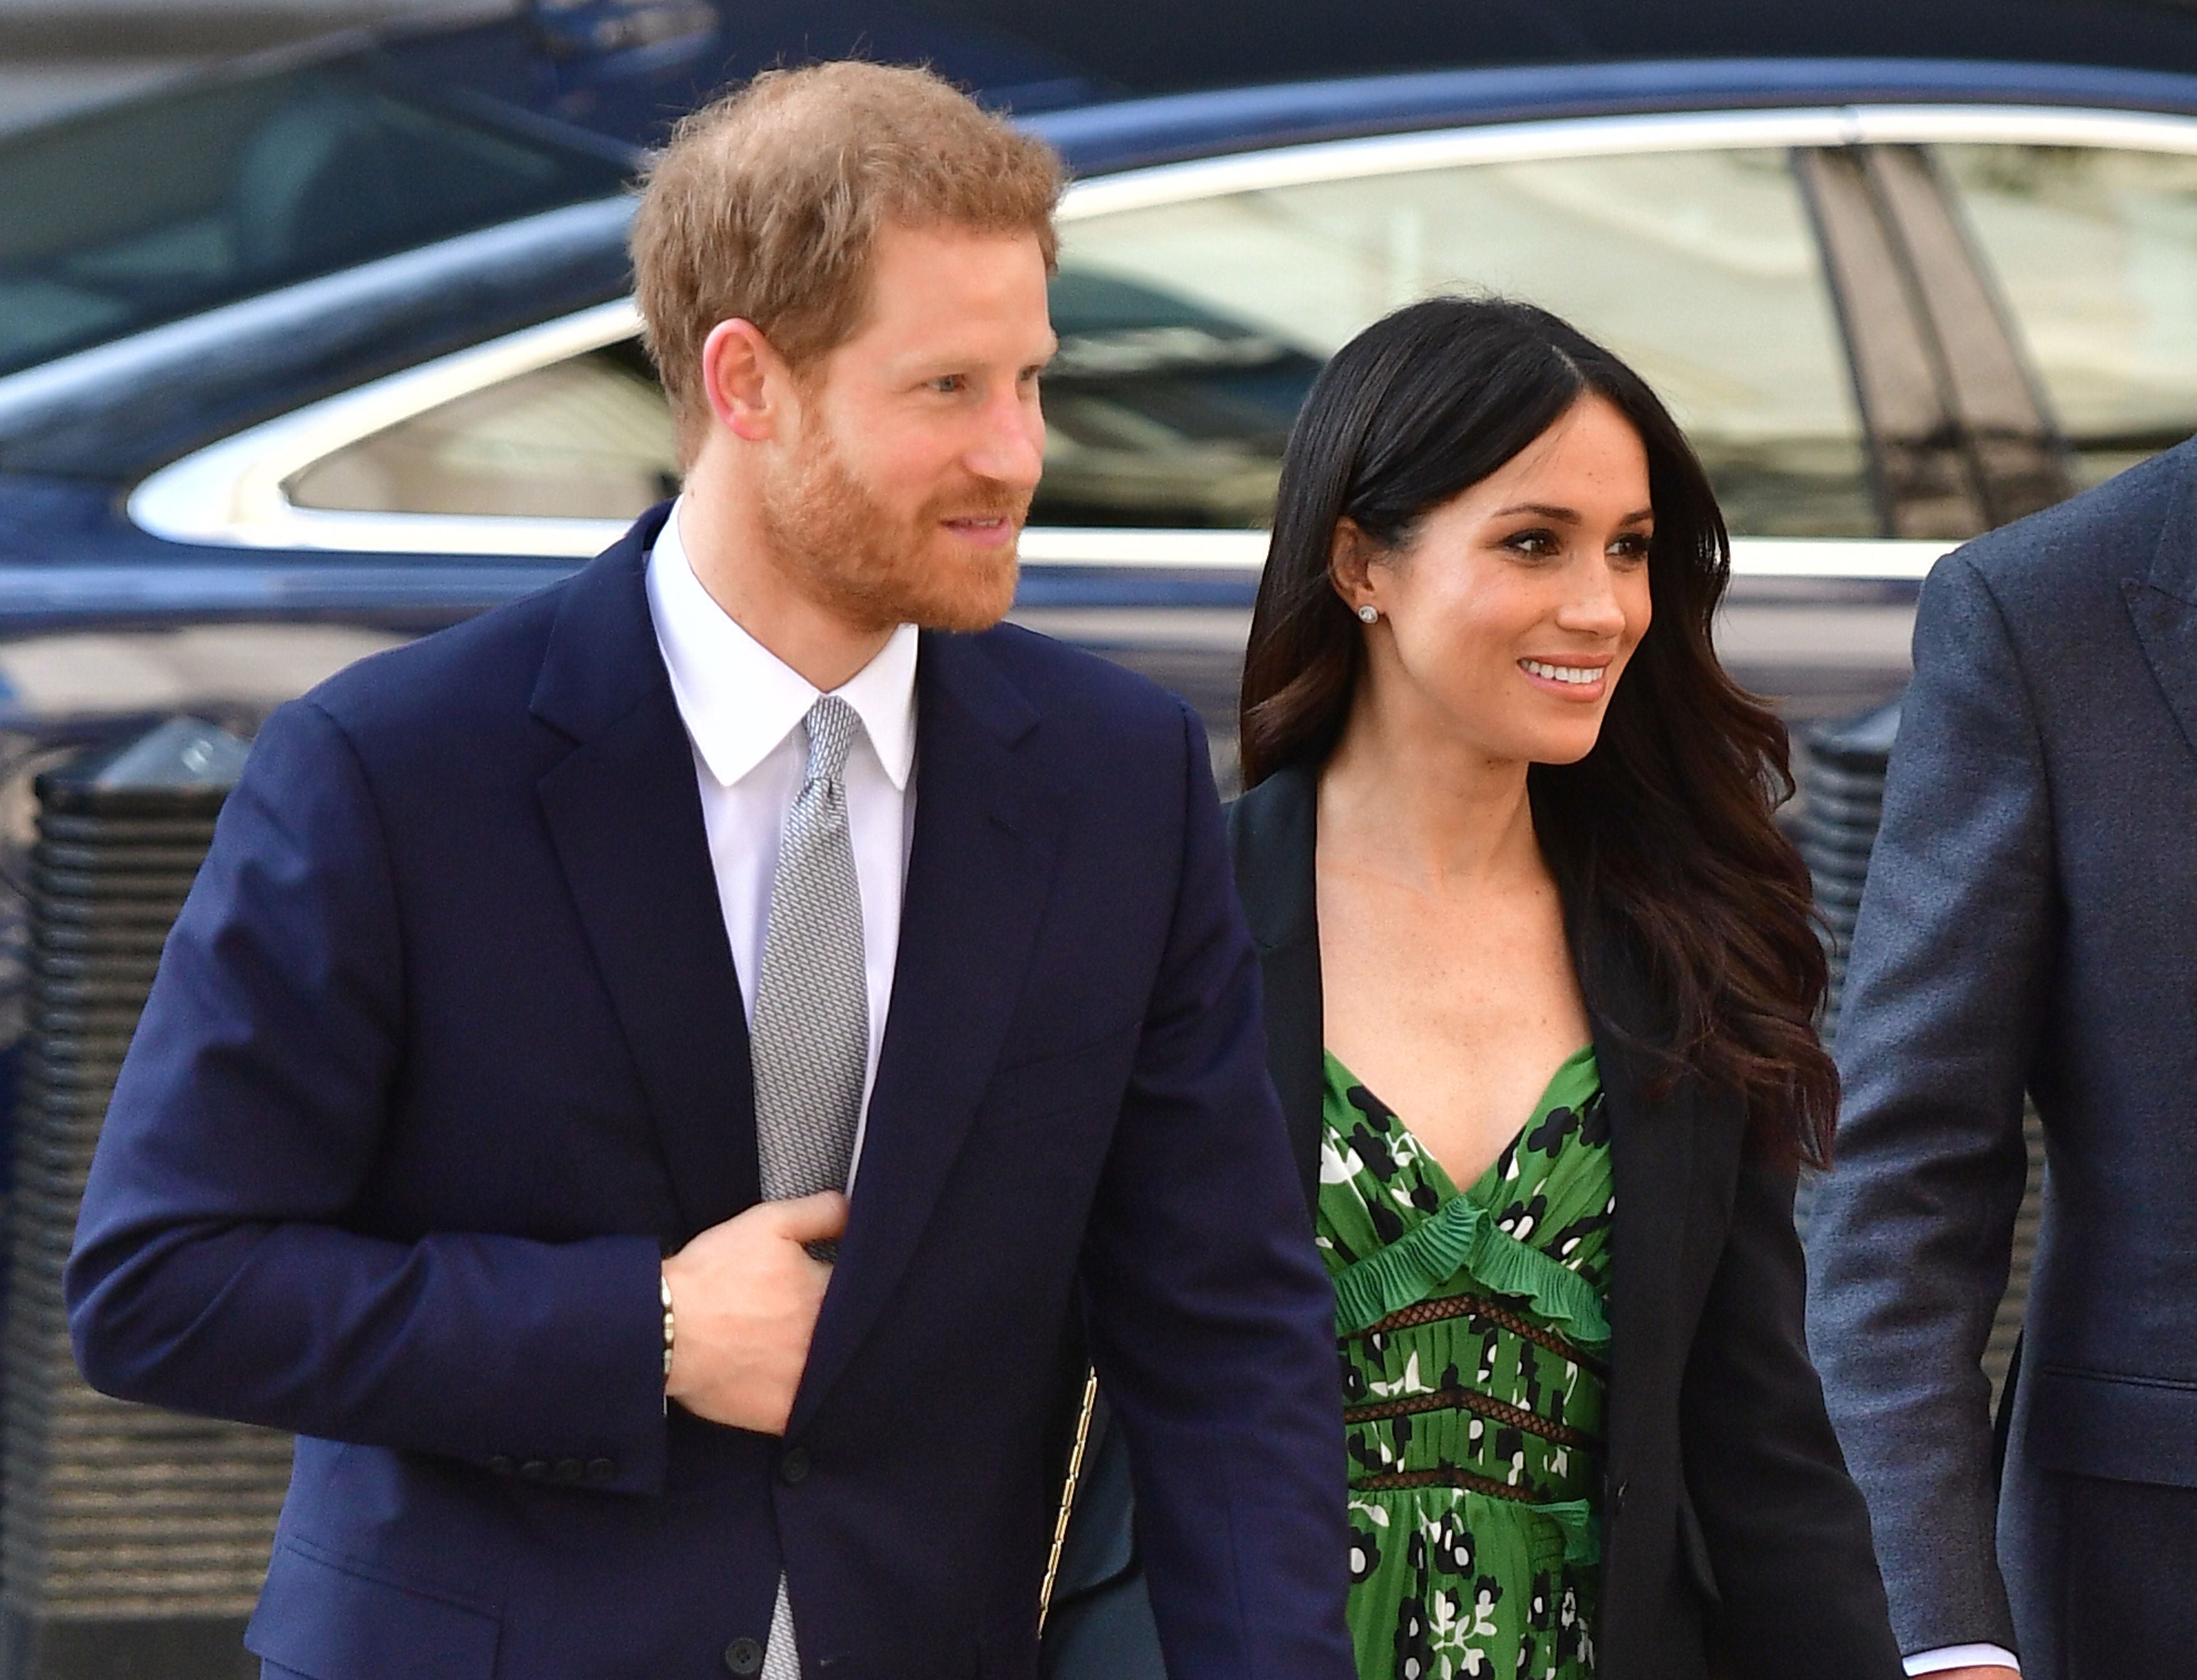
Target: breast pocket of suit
<point>323,1617</point>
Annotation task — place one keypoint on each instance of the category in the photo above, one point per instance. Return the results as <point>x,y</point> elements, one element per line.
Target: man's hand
<point>744,1297</point>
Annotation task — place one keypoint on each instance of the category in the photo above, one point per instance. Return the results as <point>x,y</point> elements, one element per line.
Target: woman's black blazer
<point>1733,1540</point>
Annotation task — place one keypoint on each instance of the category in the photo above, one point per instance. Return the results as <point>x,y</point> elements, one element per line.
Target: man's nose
<point>1010,448</point>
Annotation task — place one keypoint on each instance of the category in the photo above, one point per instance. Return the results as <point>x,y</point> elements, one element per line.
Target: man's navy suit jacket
<point>447,1051</point>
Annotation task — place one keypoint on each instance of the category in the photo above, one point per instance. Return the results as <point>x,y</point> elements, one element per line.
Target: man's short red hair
<point>765,206</point>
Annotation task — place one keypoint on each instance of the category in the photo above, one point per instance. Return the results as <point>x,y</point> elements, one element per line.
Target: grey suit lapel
<point>2163,605</point>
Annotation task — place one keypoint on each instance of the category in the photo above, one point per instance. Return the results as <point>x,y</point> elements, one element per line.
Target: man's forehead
<point>970,258</point>
<point>955,288</point>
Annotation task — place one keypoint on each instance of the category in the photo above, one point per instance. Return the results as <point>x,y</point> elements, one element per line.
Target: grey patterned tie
<point>810,1040</point>
<point>810,1037</point>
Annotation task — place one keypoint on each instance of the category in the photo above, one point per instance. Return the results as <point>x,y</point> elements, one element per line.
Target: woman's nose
<point>1593,606</point>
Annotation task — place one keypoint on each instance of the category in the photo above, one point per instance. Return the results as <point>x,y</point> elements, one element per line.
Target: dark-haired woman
<point>1540,983</point>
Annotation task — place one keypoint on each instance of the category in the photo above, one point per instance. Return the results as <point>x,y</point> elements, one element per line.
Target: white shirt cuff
<point>1960,1656</point>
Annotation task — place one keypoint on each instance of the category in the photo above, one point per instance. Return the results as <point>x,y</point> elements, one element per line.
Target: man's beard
<point>877,569</point>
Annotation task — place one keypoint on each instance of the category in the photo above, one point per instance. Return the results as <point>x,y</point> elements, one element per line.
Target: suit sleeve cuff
<point>1960,1656</point>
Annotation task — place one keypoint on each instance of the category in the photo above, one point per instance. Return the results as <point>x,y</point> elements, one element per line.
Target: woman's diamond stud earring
<point>1369,612</point>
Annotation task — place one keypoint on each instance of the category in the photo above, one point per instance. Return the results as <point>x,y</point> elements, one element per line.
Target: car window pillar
<point>1961,439</point>
<point>2020,461</point>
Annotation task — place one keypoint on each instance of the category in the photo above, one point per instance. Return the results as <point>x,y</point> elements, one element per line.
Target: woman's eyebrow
<point>1566,516</point>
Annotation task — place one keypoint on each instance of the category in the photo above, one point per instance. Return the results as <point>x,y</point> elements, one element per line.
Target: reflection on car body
<point>163,208</point>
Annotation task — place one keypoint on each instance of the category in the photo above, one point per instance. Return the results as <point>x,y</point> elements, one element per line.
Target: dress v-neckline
<point>1558,1092</point>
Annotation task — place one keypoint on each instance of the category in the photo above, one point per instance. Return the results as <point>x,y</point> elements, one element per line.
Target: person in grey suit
<point>2030,925</point>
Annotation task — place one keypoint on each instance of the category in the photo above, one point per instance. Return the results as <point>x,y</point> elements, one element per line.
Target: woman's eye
<point>1537,543</point>
<point>1630,547</point>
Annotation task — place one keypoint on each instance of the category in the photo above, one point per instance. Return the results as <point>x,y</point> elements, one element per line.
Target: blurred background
<point>59,55</point>
<point>56,54</point>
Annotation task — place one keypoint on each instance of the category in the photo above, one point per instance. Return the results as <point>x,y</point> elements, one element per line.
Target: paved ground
<point>57,56</point>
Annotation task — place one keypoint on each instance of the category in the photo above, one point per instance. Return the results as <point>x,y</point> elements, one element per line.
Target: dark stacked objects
<point>1841,781</point>
<point>1841,800</point>
<point>134,1540</point>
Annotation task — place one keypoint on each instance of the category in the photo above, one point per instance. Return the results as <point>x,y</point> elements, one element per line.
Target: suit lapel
<point>625,815</point>
<point>1272,835</point>
<point>2164,607</point>
<point>1652,1152</point>
<point>978,876</point>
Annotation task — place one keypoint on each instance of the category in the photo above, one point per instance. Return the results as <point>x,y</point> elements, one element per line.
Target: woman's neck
<point>1405,799</point>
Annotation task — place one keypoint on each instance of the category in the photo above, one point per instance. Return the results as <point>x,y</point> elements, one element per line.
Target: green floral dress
<point>1472,1328</point>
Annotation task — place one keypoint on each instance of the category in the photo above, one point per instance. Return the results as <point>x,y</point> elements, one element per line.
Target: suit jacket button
<point>601,1469</point>
<point>570,1469</point>
<point>534,1469</point>
<point>793,1468</point>
<point>502,1465</point>
<point>744,1656</point>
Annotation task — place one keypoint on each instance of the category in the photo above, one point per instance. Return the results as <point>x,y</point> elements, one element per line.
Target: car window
<point>151,211</point>
<point>588,437</point>
<point>1190,331</point>
<point>2096,251</point>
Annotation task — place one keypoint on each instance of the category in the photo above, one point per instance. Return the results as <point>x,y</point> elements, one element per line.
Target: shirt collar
<point>739,700</point>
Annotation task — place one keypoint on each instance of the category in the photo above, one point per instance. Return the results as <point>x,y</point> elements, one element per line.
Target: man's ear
<point>1350,556</point>
<point>746,381</point>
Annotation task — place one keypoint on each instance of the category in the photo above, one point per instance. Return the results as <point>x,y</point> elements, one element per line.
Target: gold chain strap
<point>1068,1495</point>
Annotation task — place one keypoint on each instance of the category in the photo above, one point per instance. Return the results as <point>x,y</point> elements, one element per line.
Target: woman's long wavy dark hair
<point>1664,829</point>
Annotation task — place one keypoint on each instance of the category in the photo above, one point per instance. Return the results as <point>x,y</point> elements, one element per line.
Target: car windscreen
<point>146,211</point>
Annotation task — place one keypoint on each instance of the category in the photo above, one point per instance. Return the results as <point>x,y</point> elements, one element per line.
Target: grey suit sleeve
<point>1913,1227</point>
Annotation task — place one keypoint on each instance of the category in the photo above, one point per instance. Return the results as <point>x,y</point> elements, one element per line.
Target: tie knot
<point>830,725</point>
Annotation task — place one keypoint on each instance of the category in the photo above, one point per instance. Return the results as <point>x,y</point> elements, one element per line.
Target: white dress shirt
<point>743,708</point>
<point>1960,1656</point>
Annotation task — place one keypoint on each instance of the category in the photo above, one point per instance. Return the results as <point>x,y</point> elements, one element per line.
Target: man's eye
<point>947,385</point>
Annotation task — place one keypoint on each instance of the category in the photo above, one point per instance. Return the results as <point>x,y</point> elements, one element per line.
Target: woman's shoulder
<point>1274,809</point>
<point>1270,839</point>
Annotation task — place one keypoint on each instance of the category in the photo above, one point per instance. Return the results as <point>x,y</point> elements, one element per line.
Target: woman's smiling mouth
<point>1566,675</point>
